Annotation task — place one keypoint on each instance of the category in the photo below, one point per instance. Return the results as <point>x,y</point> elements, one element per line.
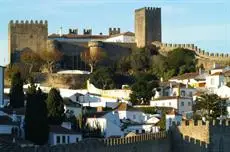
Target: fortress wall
<point>207,136</point>
<point>159,142</point>
<point>212,56</point>
<point>27,34</point>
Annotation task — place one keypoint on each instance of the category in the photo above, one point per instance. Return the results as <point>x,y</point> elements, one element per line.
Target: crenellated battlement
<point>135,139</point>
<point>113,31</point>
<point>26,22</point>
<point>196,49</point>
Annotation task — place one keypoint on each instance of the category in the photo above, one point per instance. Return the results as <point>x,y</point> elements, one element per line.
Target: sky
<point>206,23</point>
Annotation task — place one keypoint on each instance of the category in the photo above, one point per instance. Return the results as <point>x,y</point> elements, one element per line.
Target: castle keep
<point>31,35</point>
<point>147,26</point>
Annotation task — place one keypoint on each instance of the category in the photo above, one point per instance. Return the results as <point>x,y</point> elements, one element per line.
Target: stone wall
<point>170,46</point>
<point>201,136</point>
<point>147,26</point>
<point>31,35</point>
<point>158,142</point>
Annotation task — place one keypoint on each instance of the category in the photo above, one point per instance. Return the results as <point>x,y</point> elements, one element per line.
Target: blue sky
<point>203,22</point>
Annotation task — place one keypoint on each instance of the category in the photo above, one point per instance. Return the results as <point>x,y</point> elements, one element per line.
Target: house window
<point>182,103</point>
<point>189,103</point>
<point>182,93</point>
<point>63,139</point>
<point>68,139</point>
<point>137,131</point>
<point>163,104</point>
<point>77,139</point>
<point>58,139</point>
<point>190,94</point>
<point>169,103</point>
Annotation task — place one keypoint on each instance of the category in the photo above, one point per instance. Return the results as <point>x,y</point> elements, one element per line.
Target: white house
<point>73,108</point>
<point>171,118</point>
<point>128,112</point>
<point>109,123</point>
<point>127,37</point>
<point>61,135</point>
<point>8,125</point>
<point>175,89</point>
<point>214,81</point>
<point>1,86</point>
<point>182,104</point>
<point>223,91</point>
<point>141,128</point>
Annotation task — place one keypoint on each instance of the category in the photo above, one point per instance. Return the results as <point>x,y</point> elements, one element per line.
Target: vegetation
<point>16,91</point>
<point>162,122</point>
<point>178,61</point>
<point>36,121</point>
<point>103,78</point>
<point>210,106</point>
<point>92,58</point>
<point>50,57</point>
<point>30,59</point>
<point>143,89</point>
<point>55,107</point>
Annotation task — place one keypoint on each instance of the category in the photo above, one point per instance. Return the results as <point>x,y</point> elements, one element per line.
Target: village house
<point>61,135</point>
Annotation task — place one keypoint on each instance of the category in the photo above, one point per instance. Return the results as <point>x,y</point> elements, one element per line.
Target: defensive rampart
<point>158,142</point>
<point>200,52</point>
<point>206,136</point>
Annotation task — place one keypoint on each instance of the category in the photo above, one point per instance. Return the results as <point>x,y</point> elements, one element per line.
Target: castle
<point>34,36</point>
<point>190,136</point>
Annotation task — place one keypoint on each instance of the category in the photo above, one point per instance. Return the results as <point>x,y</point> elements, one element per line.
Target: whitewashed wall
<point>1,86</point>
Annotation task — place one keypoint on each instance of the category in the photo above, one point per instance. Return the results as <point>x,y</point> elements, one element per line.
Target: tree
<point>93,57</point>
<point>182,60</point>
<point>140,60</point>
<point>55,107</point>
<point>143,89</point>
<point>162,122</point>
<point>30,58</point>
<point>51,57</point>
<point>103,78</point>
<point>210,106</point>
<point>16,91</point>
<point>36,121</point>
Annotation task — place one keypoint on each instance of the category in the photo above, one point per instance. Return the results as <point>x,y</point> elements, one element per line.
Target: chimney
<point>99,109</point>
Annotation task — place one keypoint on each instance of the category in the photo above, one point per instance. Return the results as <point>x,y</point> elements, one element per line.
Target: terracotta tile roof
<point>186,76</point>
<point>6,120</point>
<point>125,33</point>
<point>76,36</point>
<point>217,73</point>
<point>171,97</point>
<point>125,107</point>
<point>61,130</point>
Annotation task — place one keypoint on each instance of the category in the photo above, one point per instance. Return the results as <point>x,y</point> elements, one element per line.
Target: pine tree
<point>16,91</point>
<point>55,107</point>
<point>36,121</point>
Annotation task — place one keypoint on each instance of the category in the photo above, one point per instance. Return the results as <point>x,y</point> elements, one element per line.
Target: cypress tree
<point>55,107</point>
<point>16,91</point>
<point>36,121</point>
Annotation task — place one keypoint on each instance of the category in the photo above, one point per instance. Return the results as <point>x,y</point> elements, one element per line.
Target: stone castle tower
<point>31,35</point>
<point>147,25</point>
